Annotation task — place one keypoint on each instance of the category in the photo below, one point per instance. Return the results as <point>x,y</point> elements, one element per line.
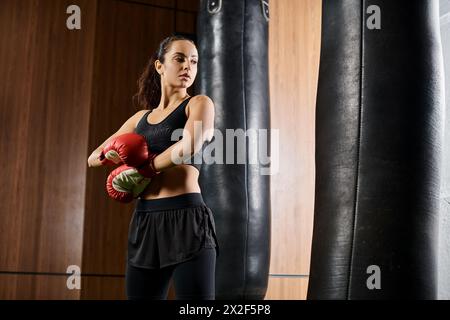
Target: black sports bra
<point>159,135</point>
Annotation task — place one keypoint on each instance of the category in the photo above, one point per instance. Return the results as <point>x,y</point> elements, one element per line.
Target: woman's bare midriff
<point>174,181</point>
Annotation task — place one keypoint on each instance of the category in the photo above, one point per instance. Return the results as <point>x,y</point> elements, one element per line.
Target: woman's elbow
<point>93,160</point>
<point>198,145</point>
<point>89,163</point>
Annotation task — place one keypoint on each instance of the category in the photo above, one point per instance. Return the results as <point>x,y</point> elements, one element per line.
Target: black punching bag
<point>378,144</point>
<point>233,71</point>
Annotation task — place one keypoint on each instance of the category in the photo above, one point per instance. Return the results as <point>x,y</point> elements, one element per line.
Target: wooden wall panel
<point>44,112</point>
<point>294,53</point>
<point>186,22</point>
<point>179,5</point>
<point>188,5</point>
<point>161,3</point>
<point>36,287</point>
<point>287,288</point>
<point>127,34</point>
<point>103,288</point>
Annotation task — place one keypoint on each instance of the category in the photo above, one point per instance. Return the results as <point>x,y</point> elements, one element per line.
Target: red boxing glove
<point>147,169</point>
<point>106,162</point>
<point>129,148</point>
<point>125,184</point>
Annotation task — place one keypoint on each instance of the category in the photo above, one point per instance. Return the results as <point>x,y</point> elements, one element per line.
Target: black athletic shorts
<point>170,230</point>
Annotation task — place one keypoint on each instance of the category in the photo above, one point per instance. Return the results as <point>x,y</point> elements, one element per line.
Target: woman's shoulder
<point>137,117</point>
<point>140,113</point>
<point>200,99</point>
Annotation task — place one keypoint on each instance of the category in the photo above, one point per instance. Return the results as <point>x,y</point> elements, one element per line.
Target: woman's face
<point>181,58</point>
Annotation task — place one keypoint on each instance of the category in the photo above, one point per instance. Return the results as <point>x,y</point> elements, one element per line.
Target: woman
<point>172,231</point>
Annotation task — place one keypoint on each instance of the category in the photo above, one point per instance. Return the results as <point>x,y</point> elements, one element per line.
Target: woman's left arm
<point>199,128</point>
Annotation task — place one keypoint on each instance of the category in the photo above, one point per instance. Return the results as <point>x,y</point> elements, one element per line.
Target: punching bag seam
<point>246,154</point>
<point>355,202</point>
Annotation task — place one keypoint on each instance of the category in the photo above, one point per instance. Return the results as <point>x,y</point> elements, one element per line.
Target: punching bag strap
<point>214,6</point>
<point>265,9</point>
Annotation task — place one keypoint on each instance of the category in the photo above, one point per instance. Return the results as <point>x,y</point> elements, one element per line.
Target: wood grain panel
<point>294,53</point>
<point>189,5</point>
<point>287,288</point>
<point>44,102</point>
<point>170,4</point>
<point>36,287</point>
<point>103,288</point>
<point>186,22</point>
<point>127,34</point>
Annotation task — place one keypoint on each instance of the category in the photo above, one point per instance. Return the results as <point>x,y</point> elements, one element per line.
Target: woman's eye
<point>181,60</point>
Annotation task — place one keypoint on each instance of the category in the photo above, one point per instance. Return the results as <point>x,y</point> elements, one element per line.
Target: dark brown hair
<point>149,83</point>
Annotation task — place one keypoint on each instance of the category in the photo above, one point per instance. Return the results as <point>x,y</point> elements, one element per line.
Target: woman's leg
<point>148,284</point>
<point>195,279</point>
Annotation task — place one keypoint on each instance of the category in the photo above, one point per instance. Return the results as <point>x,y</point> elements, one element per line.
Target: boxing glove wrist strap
<point>152,163</point>
<point>148,169</point>
<point>105,161</point>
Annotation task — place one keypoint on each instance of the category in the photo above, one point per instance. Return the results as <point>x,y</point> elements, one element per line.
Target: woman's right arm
<point>127,127</point>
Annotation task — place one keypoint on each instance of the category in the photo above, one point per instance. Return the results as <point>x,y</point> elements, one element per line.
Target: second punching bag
<point>233,70</point>
<point>378,145</point>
